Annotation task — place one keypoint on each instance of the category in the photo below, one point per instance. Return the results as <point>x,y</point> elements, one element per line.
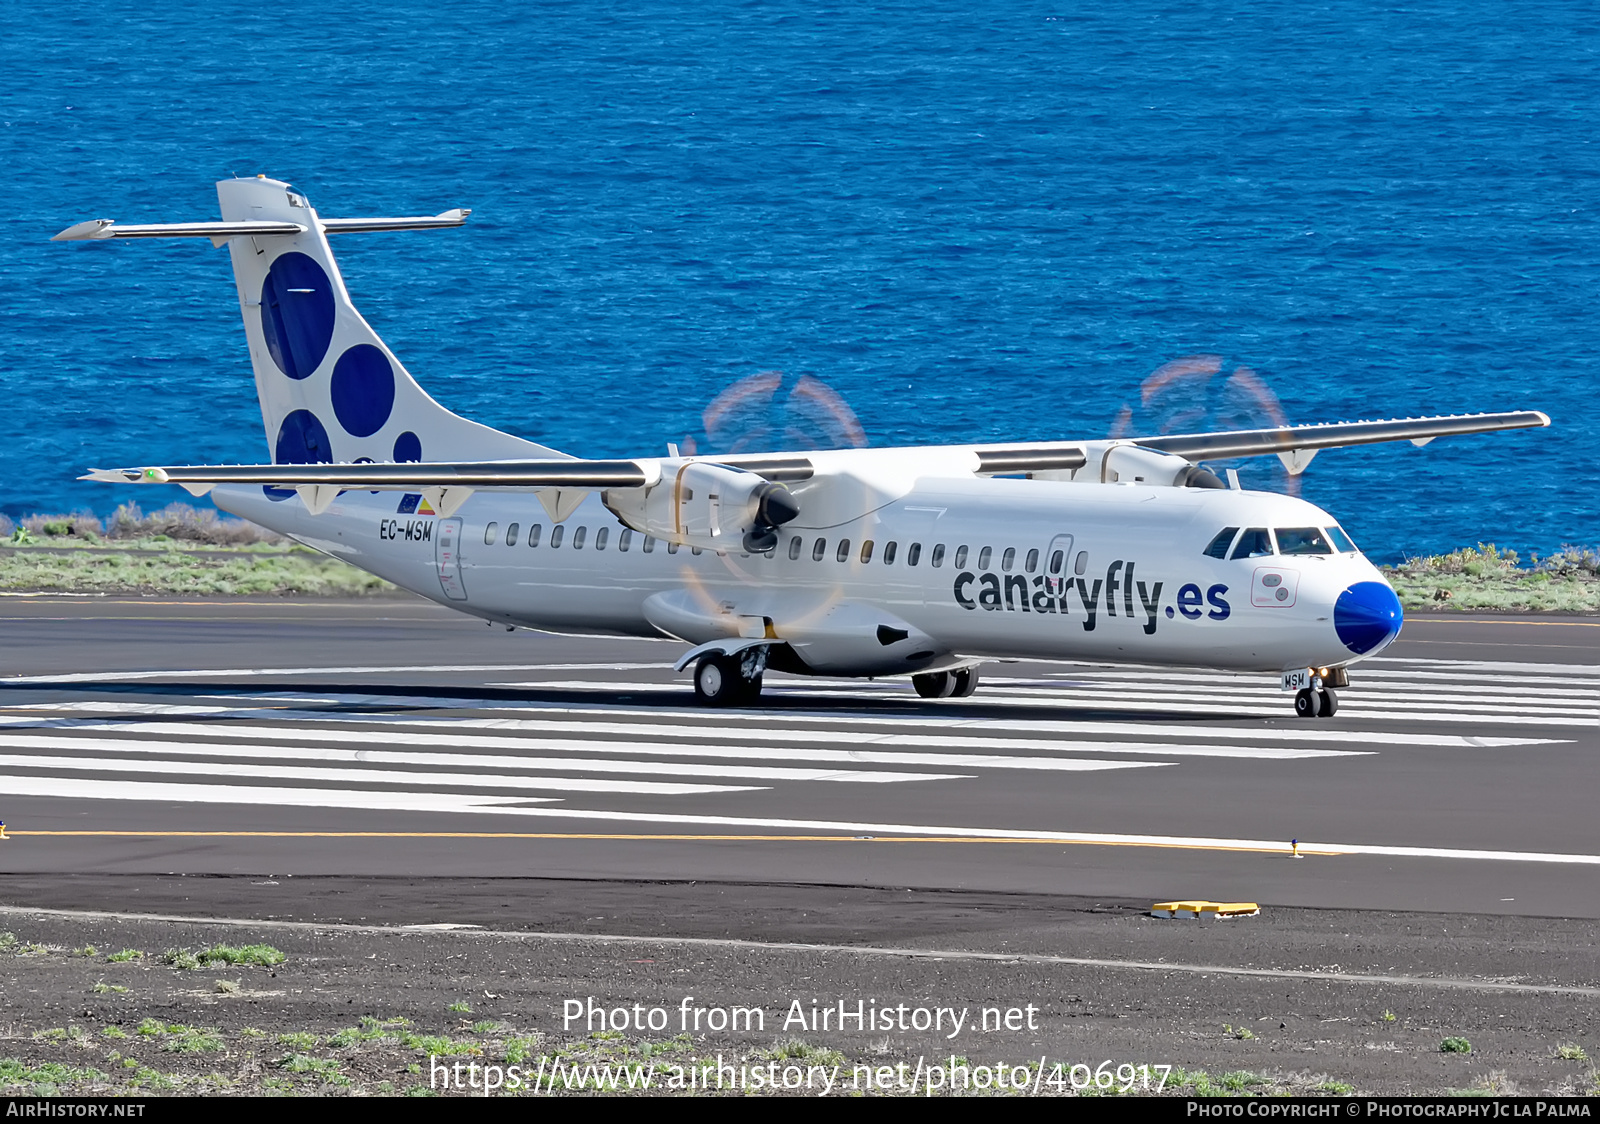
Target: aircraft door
<point>1058,564</point>
<point>447,552</point>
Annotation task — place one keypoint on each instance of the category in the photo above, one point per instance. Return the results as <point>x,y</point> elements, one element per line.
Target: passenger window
<point>888,553</point>
<point>794,548</point>
<point>936,559</point>
<point>818,549</point>
<point>578,536</point>
<point>489,534</point>
<point>672,548</point>
<point>983,558</point>
<point>1302,540</point>
<point>1341,540</point>
<point>1007,558</point>
<point>1219,545</point>
<point>1056,561</point>
<point>533,534</point>
<point>600,537</point>
<point>961,557</point>
<point>511,534</point>
<point>625,540</point>
<point>843,553</point>
<point>1033,560</point>
<point>556,534</point>
<point>866,551</point>
<point>913,554</point>
<point>1081,564</point>
<point>1254,543</point>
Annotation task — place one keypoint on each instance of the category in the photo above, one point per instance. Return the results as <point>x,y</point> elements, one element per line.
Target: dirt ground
<point>601,987</point>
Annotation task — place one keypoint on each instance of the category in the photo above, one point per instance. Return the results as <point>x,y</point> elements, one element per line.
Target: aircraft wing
<point>1295,444</point>
<point>318,484</point>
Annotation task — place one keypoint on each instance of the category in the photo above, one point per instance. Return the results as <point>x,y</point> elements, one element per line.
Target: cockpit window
<point>1302,540</point>
<point>1341,541</point>
<point>1219,545</point>
<point>1254,543</point>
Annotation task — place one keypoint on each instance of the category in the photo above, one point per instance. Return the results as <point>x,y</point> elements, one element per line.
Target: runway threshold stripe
<point>1299,732</point>
<point>842,757</point>
<point>1444,983</point>
<point>435,781</point>
<point>497,806</point>
<point>417,732</point>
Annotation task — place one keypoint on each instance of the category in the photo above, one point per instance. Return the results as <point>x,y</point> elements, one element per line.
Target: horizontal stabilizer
<point>99,229</point>
<point>510,475</point>
<point>96,230</point>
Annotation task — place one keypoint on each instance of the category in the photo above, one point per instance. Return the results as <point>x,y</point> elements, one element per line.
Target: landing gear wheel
<point>1305,703</point>
<point>934,685</point>
<point>1327,704</point>
<point>717,681</point>
<point>966,682</point>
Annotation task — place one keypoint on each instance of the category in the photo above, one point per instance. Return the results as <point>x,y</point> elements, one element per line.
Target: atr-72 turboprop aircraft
<point>860,562</point>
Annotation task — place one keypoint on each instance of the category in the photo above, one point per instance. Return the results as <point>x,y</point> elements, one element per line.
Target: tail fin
<point>330,390</point>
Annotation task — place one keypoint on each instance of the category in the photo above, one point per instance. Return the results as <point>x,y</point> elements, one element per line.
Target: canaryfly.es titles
<point>801,1017</point>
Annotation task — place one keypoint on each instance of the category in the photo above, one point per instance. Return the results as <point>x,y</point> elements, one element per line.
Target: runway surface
<point>394,738</point>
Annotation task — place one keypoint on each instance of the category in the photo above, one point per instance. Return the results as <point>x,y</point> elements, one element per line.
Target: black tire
<point>717,681</point>
<point>1305,703</point>
<point>1327,704</point>
<point>966,682</point>
<point>933,685</point>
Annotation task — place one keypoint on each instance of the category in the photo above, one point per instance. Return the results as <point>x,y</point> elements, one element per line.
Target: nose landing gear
<point>1316,704</point>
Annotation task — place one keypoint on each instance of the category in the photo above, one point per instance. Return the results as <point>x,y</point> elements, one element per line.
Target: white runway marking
<point>842,757</point>
<point>435,781</point>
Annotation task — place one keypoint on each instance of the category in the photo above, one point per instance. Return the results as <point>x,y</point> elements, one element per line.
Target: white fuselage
<point>969,574</point>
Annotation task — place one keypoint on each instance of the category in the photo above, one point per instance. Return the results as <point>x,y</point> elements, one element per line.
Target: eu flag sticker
<point>408,504</point>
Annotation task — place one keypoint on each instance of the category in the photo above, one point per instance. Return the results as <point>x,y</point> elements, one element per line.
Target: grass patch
<point>195,1040</point>
<point>102,988</point>
<point>1572,1053</point>
<point>46,1077</point>
<point>1486,577</point>
<point>250,955</point>
<point>797,1049</point>
<point>1455,1046</point>
<point>461,1006</point>
<point>1242,1033</point>
<point>124,956</point>
<point>300,1040</point>
<point>227,987</point>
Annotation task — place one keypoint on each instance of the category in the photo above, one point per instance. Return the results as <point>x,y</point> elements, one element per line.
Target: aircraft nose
<point>1367,616</point>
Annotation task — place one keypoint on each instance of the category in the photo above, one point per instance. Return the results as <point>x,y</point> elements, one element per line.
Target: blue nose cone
<point>1367,616</point>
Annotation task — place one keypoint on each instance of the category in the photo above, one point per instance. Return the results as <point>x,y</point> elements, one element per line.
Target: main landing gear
<point>1316,704</point>
<point>723,680</point>
<point>957,684</point>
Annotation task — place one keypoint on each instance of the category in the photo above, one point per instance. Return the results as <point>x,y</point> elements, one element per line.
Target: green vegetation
<point>1242,1033</point>
<point>179,549</point>
<point>1487,577</point>
<point>101,988</point>
<point>250,955</point>
<point>1572,1053</point>
<point>1455,1046</point>
<point>195,1040</point>
<point>124,956</point>
<point>461,1006</point>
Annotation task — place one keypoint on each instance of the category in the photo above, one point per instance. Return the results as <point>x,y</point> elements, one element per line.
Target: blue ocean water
<point>991,225</point>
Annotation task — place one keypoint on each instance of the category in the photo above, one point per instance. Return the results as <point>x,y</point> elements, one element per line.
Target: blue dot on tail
<point>362,389</point>
<point>407,448</point>
<point>1169,612</point>
<point>297,314</point>
<point>302,439</point>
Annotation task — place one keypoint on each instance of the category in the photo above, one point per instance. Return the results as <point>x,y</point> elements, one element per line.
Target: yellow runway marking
<point>654,838</point>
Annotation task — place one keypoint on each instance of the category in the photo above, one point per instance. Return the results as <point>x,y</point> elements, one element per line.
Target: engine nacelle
<point>707,505</point>
<point>1122,462</point>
